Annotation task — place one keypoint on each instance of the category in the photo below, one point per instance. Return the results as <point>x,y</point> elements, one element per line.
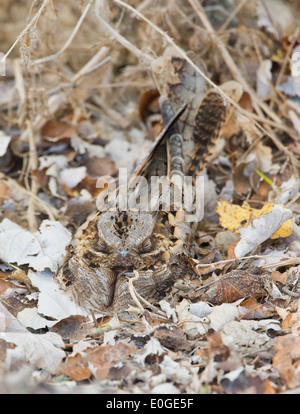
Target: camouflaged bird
<point>111,245</point>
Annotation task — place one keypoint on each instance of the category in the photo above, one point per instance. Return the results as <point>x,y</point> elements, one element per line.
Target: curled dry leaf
<point>271,225</point>
<point>236,285</point>
<point>9,289</point>
<point>255,226</point>
<point>251,309</point>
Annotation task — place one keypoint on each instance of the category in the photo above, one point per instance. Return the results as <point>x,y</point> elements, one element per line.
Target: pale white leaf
<point>109,337</point>
<point>30,318</point>
<point>52,300</point>
<point>152,347</point>
<point>53,163</point>
<point>165,388</point>
<point>71,177</point>
<point>83,147</point>
<point>248,333</point>
<point>222,314</point>
<point>193,325</point>
<point>166,307</point>
<point>286,191</point>
<point>200,309</point>
<point>261,229</point>
<point>54,238</point>
<point>40,250</point>
<point>263,79</point>
<point>38,350</point>
<point>174,371</point>
<point>8,323</point>
<point>4,143</point>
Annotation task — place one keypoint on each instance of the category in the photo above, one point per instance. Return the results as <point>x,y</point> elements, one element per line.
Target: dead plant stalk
<point>33,165</point>
<point>32,22</point>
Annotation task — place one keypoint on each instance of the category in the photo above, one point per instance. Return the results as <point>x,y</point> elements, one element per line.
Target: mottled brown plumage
<point>112,244</point>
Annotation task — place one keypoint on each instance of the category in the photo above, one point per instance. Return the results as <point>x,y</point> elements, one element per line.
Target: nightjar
<point>112,244</point>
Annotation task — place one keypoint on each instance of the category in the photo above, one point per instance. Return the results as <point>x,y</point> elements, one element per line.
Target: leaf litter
<point>74,110</point>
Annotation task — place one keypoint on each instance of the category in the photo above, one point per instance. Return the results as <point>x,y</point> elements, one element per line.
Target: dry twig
<point>33,165</point>
<point>33,22</point>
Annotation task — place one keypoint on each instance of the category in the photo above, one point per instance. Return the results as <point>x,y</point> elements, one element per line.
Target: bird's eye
<point>101,246</point>
<point>146,246</point>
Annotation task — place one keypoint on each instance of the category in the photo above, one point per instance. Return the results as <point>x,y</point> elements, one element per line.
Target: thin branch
<point>51,211</point>
<point>232,16</point>
<point>69,41</point>
<point>125,43</point>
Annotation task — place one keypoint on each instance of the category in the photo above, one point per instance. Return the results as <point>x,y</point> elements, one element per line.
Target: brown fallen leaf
<point>57,130</point>
<point>97,361</point>
<point>286,360</point>
<point>251,309</point>
<point>76,367</point>
<point>147,102</point>
<point>8,289</point>
<point>171,338</point>
<point>292,321</point>
<point>239,284</point>
<point>74,328</point>
<point>241,177</point>
<point>245,383</point>
<point>233,286</point>
<point>220,356</point>
<point>99,166</point>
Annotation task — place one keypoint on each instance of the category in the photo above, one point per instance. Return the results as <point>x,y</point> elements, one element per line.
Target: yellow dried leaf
<point>284,231</point>
<point>233,217</point>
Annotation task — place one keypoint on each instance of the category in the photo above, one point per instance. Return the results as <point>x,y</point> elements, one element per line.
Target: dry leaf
<point>172,338</point>
<point>239,284</point>
<point>71,177</point>
<point>52,301</point>
<point>4,143</point>
<point>286,360</point>
<point>73,328</point>
<point>255,226</point>
<point>42,351</point>
<point>57,130</point>
<point>98,361</point>
<point>41,250</point>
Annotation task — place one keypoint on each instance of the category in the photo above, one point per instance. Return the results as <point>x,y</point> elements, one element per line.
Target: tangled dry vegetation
<point>79,100</point>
